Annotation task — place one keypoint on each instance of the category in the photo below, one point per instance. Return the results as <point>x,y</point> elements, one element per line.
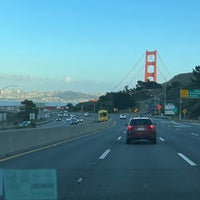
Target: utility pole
<point>180,101</point>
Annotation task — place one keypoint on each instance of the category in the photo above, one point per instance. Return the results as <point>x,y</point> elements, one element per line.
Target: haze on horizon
<point>89,46</point>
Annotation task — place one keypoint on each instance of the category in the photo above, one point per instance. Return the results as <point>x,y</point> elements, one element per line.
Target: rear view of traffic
<point>140,128</point>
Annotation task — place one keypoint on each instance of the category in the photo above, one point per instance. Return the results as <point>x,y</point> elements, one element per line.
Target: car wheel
<point>154,140</point>
<point>128,141</point>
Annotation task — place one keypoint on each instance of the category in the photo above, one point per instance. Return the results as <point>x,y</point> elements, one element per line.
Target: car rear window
<point>138,122</point>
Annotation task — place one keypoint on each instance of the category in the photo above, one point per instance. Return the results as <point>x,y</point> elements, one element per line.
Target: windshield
<point>79,82</point>
<point>140,122</point>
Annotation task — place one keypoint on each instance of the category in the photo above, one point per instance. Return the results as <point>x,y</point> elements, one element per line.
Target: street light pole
<point>165,94</point>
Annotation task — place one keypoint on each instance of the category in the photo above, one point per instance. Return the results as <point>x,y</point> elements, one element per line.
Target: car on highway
<point>25,124</point>
<point>68,119</point>
<point>122,116</point>
<point>141,128</point>
<point>74,121</point>
<point>86,114</point>
<point>80,120</point>
<point>58,119</point>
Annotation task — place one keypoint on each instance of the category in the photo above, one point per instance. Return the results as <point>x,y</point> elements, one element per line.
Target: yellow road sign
<point>184,111</point>
<point>184,93</point>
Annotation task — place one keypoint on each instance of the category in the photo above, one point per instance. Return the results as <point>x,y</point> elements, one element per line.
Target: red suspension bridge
<point>153,69</point>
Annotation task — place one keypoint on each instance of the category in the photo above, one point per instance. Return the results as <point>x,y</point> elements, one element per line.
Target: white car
<point>86,114</point>
<point>25,124</point>
<point>122,116</point>
<point>68,119</point>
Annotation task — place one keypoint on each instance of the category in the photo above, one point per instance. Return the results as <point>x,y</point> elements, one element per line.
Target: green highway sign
<point>194,93</point>
<point>175,109</point>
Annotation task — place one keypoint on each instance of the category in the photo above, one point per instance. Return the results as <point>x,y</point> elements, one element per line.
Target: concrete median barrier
<point>12,141</point>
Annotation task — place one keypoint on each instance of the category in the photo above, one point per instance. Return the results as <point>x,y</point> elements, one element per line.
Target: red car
<point>141,128</point>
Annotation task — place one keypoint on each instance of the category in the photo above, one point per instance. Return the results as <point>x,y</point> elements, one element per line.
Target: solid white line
<point>195,134</point>
<point>105,154</point>
<point>119,138</point>
<point>187,159</point>
<point>161,139</point>
<point>45,147</point>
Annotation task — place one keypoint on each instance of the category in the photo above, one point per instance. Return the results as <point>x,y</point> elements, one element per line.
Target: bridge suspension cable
<point>128,74</point>
<point>164,65</point>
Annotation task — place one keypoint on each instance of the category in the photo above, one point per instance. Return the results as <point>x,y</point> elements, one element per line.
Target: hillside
<point>183,79</point>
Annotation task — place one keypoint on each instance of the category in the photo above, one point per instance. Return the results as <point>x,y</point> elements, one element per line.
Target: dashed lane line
<point>119,138</point>
<point>104,154</point>
<point>187,159</point>
<point>161,139</point>
<point>79,180</point>
<point>195,134</point>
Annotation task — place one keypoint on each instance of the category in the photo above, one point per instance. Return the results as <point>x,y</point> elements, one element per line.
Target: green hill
<point>183,81</point>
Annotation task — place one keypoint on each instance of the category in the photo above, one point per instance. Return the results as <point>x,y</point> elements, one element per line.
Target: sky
<point>92,45</point>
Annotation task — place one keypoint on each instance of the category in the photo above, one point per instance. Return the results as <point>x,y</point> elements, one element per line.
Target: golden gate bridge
<point>153,69</point>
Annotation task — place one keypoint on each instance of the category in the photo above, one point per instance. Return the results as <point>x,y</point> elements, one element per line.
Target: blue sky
<point>91,45</point>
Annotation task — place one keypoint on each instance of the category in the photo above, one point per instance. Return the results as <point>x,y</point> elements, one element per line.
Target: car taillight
<point>152,127</point>
<point>129,128</point>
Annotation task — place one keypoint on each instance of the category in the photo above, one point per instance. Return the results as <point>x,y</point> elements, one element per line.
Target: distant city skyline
<point>90,46</point>
<point>11,96</point>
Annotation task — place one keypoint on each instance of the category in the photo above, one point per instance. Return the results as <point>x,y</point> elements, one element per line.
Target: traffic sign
<point>190,93</point>
<point>194,93</point>
<point>175,109</point>
<point>184,93</point>
<point>159,106</point>
<point>184,111</point>
<point>170,109</point>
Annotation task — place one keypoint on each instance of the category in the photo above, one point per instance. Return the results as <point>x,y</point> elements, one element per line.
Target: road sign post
<point>185,93</point>
<point>184,111</point>
<point>170,109</point>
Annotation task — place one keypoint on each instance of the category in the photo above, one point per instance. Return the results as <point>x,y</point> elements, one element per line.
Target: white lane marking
<point>105,154</point>
<point>180,125</point>
<point>79,180</point>
<point>195,134</point>
<point>187,159</point>
<point>161,139</point>
<point>119,138</point>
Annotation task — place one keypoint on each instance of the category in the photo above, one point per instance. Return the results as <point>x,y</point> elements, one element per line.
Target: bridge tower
<point>151,64</point>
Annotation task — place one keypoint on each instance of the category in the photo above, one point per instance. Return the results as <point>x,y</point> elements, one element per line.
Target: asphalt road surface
<point>103,167</point>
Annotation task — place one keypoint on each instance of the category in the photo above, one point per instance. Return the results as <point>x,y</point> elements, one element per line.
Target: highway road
<point>102,166</point>
<point>52,122</point>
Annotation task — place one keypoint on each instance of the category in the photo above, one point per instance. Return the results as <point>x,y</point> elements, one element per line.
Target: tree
<point>123,100</point>
<point>196,77</point>
<point>70,107</point>
<point>148,85</point>
<point>25,110</point>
